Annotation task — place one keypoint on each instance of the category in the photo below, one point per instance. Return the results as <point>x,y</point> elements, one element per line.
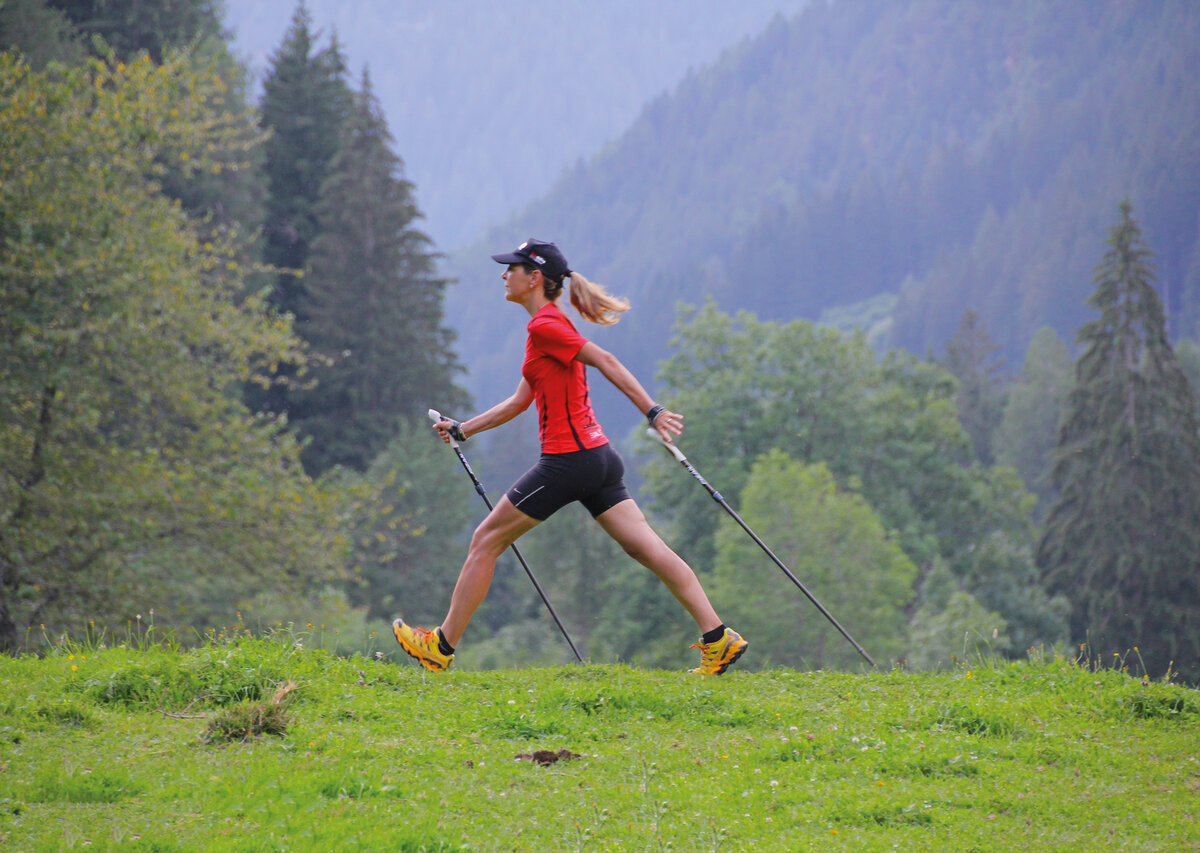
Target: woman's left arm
<point>668,423</point>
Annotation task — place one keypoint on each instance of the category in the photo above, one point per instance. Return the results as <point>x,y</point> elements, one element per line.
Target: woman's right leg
<point>502,527</point>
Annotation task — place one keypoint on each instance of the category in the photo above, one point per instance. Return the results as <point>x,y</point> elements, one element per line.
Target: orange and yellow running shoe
<point>719,655</point>
<point>421,644</point>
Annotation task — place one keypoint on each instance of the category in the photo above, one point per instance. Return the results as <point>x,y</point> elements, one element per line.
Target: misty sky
<point>489,102</point>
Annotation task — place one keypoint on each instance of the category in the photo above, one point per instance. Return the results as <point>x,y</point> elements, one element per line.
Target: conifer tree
<point>970,356</point>
<point>227,197</point>
<point>131,26</point>
<point>374,304</point>
<point>40,33</point>
<point>306,104</point>
<point>1123,539</point>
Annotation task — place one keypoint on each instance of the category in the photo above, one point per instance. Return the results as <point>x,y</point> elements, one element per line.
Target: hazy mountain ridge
<point>490,102</point>
<point>951,154</point>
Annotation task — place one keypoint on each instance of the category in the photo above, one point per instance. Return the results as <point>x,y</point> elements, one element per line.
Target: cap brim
<point>510,258</point>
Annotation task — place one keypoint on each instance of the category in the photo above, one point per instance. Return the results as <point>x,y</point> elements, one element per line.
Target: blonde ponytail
<point>594,302</point>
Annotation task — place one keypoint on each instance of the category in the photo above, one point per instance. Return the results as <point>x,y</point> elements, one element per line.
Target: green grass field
<point>254,744</point>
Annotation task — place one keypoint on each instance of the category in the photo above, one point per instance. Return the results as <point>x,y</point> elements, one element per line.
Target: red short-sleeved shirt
<point>559,382</point>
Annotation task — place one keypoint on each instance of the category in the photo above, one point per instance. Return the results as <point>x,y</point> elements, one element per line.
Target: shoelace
<point>706,654</point>
<point>427,637</point>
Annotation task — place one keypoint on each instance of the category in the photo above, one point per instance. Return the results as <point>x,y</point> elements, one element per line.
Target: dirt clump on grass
<point>250,719</point>
<point>546,756</point>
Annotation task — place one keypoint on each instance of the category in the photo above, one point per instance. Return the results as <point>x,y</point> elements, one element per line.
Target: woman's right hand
<point>669,424</point>
<point>449,429</point>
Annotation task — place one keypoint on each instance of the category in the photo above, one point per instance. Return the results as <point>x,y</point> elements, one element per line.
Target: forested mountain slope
<point>489,102</point>
<point>929,156</point>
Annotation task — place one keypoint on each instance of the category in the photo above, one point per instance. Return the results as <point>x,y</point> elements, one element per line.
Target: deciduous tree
<point>886,428</point>
<point>1032,409</point>
<point>129,472</point>
<point>836,545</point>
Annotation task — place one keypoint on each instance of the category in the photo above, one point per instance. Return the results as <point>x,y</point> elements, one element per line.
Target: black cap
<point>539,255</point>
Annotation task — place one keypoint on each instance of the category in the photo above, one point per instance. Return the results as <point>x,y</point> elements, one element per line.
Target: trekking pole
<point>678,454</point>
<point>436,416</point>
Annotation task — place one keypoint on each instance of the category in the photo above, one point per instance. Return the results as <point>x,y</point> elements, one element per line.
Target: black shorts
<point>593,477</point>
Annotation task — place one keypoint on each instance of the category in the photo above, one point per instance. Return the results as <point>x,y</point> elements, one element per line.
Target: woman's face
<point>518,283</point>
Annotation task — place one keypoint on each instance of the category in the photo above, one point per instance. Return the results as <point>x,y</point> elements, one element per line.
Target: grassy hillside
<point>146,748</point>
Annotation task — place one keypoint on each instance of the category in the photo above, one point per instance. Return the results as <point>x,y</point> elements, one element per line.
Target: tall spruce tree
<point>1122,542</point>
<point>306,105</point>
<point>374,304</point>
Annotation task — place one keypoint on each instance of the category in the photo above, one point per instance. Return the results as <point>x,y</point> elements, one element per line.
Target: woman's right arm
<point>501,413</point>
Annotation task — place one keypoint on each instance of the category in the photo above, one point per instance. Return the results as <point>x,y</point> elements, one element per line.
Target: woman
<point>577,462</point>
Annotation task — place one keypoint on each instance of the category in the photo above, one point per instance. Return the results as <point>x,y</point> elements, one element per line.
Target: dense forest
<point>889,167</point>
<point>922,277</point>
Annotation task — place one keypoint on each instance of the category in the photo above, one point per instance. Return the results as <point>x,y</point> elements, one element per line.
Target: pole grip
<point>436,416</point>
<point>675,451</point>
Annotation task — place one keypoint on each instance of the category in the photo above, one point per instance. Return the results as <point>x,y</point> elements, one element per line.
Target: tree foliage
<point>407,526</point>
<point>886,428</point>
<point>374,305</point>
<point>836,545</point>
<point>228,195</point>
<point>133,26</point>
<point>306,105</point>
<point>947,155</point>
<point>1033,406</point>
<point>971,357</point>
<point>949,625</point>
<point>1123,539</point>
<point>39,33</point>
<point>129,472</point>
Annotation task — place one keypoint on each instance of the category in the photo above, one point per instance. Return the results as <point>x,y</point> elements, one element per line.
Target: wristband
<point>654,412</point>
<point>456,431</point>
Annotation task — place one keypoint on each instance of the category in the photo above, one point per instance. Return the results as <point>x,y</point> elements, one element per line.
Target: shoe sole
<point>425,662</point>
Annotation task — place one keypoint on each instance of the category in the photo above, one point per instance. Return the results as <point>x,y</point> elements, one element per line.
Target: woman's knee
<point>499,530</point>
<point>647,547</point>
<point>487,539</point>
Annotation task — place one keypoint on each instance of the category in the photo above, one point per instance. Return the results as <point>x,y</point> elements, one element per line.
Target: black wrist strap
<point>654,412</point>
<point>456,431</point>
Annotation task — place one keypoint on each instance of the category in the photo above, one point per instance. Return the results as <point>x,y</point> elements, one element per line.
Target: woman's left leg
<point>626,523</point>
